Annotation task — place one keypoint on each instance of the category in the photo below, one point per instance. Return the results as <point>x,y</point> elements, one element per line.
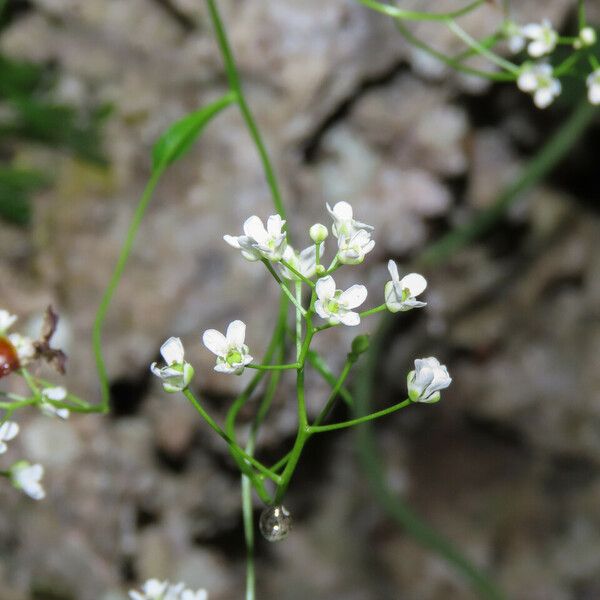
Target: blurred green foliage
<point>28,113</point>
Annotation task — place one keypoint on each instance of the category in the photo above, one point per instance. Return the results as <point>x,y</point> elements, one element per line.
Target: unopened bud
<point>318,233</point>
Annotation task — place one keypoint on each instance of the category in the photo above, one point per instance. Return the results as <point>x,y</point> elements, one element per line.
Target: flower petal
<point>354,296</point>
<point>325,288</point>
<point>350,318</point>
<point>215,341</point>
<point>254,228</point>
<point>232,240</point>
<point>172,351</point>
<point>415,283</point>
<point>274,225</point>
<point>393,269</point>
<point>236,333</point>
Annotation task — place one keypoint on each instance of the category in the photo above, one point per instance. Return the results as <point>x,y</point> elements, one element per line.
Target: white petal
<point>236,333</point>
<point>320,308</point>
<point>354,296</point>
<point>415,283</point>
<point>172,351</point>
<point>543,98</point>
<point>55,393</point>
<point>224,368</point>
<point>215,341</point>
<point>393,269</point>
<point>594,94</point>
<point>537,49</point>
<point>342,211</point>
<point>232,240</point>
<point>532,30</point>
<point>274,225</point>
<point>325,288</point>
<point>350,318</point>
<point>527,81</point>
<point>254,228</point>
<point>8,430</point>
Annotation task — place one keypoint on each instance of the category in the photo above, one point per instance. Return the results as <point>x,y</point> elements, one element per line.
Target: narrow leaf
<point>179,138</point>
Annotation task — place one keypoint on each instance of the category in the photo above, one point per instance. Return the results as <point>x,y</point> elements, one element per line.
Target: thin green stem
<point>581,14</point>
<point>235,84</point>
<point>272,367</point>
<point>335,392</point>
<point>567,64</point>
<point>249,536</point>
<point>372,311</point>
<point>411,15</point>
<point>475,45</point>
<point>298,324</point>
<point>140,210</point>
<point>233,445</point>
<point>453,63</point>
<point>283,286</point>
<point>321,367</point>
<point>359,420</point>
<point>297,273</point>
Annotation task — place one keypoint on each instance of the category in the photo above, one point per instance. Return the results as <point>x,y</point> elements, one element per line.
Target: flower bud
<point>318,233</point>
<point>360,344</point>
<point>320,270</point>
<point>587,36</point>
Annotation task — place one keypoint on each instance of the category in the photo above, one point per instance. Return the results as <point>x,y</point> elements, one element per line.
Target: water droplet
<point>275,523</point>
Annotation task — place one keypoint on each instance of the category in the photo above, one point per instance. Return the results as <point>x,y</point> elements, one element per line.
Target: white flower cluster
<point>155,589</point>
<point>538,79</point>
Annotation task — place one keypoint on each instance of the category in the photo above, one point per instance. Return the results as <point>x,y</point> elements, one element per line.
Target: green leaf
<point>16,188</point>
<point>179,138</point>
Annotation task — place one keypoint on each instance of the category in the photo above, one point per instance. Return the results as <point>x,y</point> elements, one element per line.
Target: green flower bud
<point>318,233</point>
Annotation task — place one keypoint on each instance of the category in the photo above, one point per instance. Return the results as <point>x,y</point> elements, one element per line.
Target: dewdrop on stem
<point>275,523</point>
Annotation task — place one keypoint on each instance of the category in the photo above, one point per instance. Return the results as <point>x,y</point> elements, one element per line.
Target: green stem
<point>297,273</point>
<point>103,407</point>
<point>453,63</point>
<point>476,46</point>
<point>359,420</point>
<point>581,14</point>
<point>284,288</point>
<point>335,392</point>
<point>372,311</point>
<point>321,367</point>
<point>272,367</point>
<point>248,535</point>
<point>212,423</point>
<point>411,15</point>
<point>235,84</point>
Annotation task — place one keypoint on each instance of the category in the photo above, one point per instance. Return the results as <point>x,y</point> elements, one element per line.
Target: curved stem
<point>235,84</point>
<point>412,15</point>
<point>103,407</point>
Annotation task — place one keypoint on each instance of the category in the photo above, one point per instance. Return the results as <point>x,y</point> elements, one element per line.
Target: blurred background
<point>507,466</point>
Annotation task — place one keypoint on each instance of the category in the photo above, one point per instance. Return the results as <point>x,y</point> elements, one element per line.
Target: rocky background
<point>507,466</point>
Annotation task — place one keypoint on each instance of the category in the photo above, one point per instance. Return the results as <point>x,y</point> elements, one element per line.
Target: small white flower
<point>24,347</point>
<point>352,250</point>
<point>336,305</point>
<point>587,37</point>
<point>56,394</point>
<point>344,225</point>
<point>191,595</point>
<point>318,233</point>
<point>400,294</point>
<point>232,353</point>
<point>177,373</point>
<point>6,321</point>
<point>260,242</point>
<point>153,589</point>
<point>593,85</point>
<point>8,431</point>
<point>543,38</point>
<point>426,381</point>
<point>304,262</point>
<point>27,477</point>
<point>516,37</point>
<point>537,80</point>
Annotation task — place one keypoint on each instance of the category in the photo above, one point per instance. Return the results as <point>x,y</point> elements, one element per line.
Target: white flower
<point>153,589</point>
<point>232,353</point>
<point>27,478</point>
<point>587,37</point>
<point>344,225</point>
<point>352,250</point>
<point>177,373</point>
<point>400,294</point>
<point>8,431</point>
<point>318,233</point>
<point>56,394</point>
<point>336,305</point>
<point>260,242</point>
<point>516,37</point>
<point>191,595</point>
<point>537,80</point>
<point>593,85</point>
<point>24,347</point>
<point>6,320</point>
<point>426,381</point>
<point>304,262</point>
<point>543,38</point>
